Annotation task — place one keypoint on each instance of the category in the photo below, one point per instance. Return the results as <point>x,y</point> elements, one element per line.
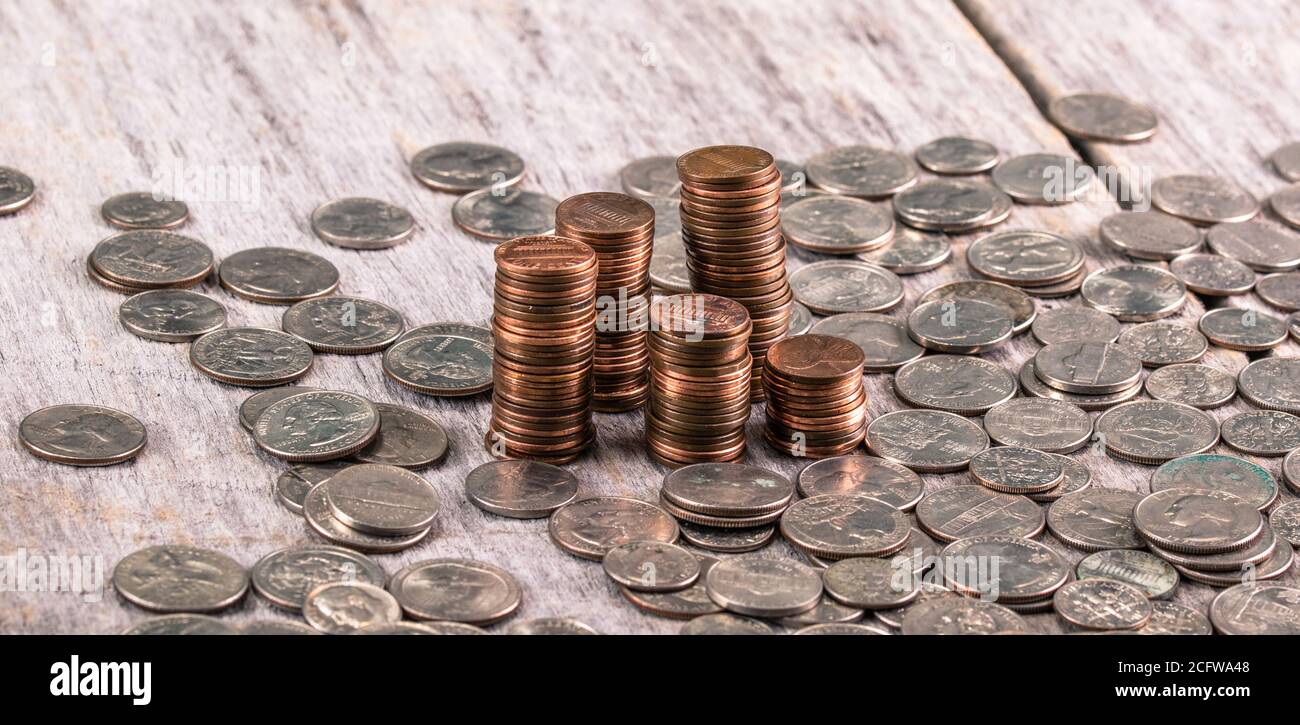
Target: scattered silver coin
<point>16,190</point>
<point>1197,520</point>
<point>284,577</point>
<point>1286,161</point>
<point>1027,570</point>
<point>957,155</point>
<point>727,541</point>
<point>499,215</point>
<point>1095,519</point>
<point>520,489</point>
<point>960,512</point>
<point>668,263</point>
<point>175,624</point>
<point>954,383</point>
<point>449,365</point>
<point>725,624</point>
<point>455,329</point>
<point>834,224</point>
<point>1217,472</point>
<point>1272,383</point>
<point>1077,478</point>
<point>1285,521</point>
<point>1010,469</point>
<point>760,587</point>
<point>1064,288</point>
<point>912,251</point>
<point>1021,307</point>
<point>361,223</point>
<point>1152,432</point>
<point>1044,178</point>
<point>317,426</point>
<point>456,590</point>
<point>893,618</point>
<point>1025,258</point>
<point>1281,290</point>
<point>1257,609</point>
<point>835,286</point>
<point>1203,199</point>
<point>653,177</point>
<point>151,259</point>
<point>1134,292</point>
<point>1243,329</point>
<point>349,606</point>
<point>1262,432</point>
<point>651,566</point>
<point>1153,576</point>
<point>552,626</point>
<point>1286,204</point>
<point>82,435</point>
<point>838,526</point>
<point>459,167</point>
<point>1102,604</point>
<point>926,441</point>
<point>1102,117</point>
<point>320,519</point>
<point>961,615</point>
<point>884,340</point>
<point>406,438</point>
<point>180,578</point>
<point>1149,235</point>
<point>1075,324</point>
<point>343,325</point>
<point>144,210</point>
<point>277,276</point>
<point>827,611</point>
<point>947,205</point>
<point>1199,386</point>
<point>1261,247</point>
<point>1170,618</point>
<point>1040,423</point>
<point>253,406</point>
<point>251,356</point>
<point>959,325</point>
<point>794,177</point>
<point>862,171</point>
<point>592,526</point>
<point>293,485</point>
<point>1164,343</point>
<point>1033,386</point>
<point>1212,275</point>
<point>171,315</point>
<point>801,320</point>
<point>1093,368</point>
<point>1227,563</point>
<point>383,500</point>
<point>868,583</point>
<point>1277,564</point>
<point>865,475</point>
<point>727,489</point>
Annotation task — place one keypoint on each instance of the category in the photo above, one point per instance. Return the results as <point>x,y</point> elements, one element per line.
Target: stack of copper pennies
<point>699,379</point>
<point>816,405</point>
<point>622,230</point>
<point>731,227</point>
<point>543,329</point>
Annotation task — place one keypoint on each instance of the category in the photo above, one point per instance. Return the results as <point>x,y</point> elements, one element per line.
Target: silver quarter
<point>651,566</point>
<point>176,624</point>
<point>1217,472</point>
<point>884,340</point>
<point>1164,343</point>
<point>960,615</point>
<point>82,435</point>
<point>1286,161</point>
<point>316,510</point>
<point>343,325</point>
<point>592,526</point>
<point>1170,618</point>
<point>179,578</point>
<point>837,224</point>
<point>1199,386</point>
<point>727,541</point>
<point>862,171</point>
<point>1033,386</point>
<point>361,223</point>
<point>912,251</point>
<point>1262,432</point>
<point>1203,199</point>
<point>456,590</point>
<point>1257,609</point>
<point>317,426</point>
<point>1010,469</point>
<point>253,406</point>
<point>1243,329</point>
<point>1093,368</point>
<point>16,190</point>
<point>864,475</point>
<point>406,438</point>
<point>1102,604</point>
<point>1134,292</point>
<point>1149,235</point>
<point>957,155</point>
<point>838,526</point>
<point>687,603</point>
<point>151,259</point>
<point>837,286</point>
<point>868,583</point>
<point>1095,519</point>
<point>171,315</point>
<point>520,489</point>
<point>651,177</point>
<point>1227,563</point>
<point>955,383</point>
<point>284,577</point>
<point>251,356</point>
<point>1027,570</point>
<point>1022,308</point>
<point>1153,576</point>
<point>1261,247</point>
<point>144,210</point>
<point>459,167</point>
<point>959,325</point>
<point>1272,383</point>
<point>760,587</point>
<point>1075,324</point>
<point>946,204</point>
<point>1102,117</point>
<point>1281,290</point>
<point>725,624</point>
<point>1025,258</point>
<point>1277,564</point>
<point>500,215</point>
<point>444,365</point>
<point>927,441</point>
<point>1040,423</point>
<point>277,276</point>
<point>1153,432</point>
<point>1044,178</point>
<point>801,320</point>
<point>727,489</point>
<point>458,329</point>
<point>293,485</point>
<point>347,607</point>
<point>1212,274</point>
<point>960,512</point>
<point>1197,520</point>
<point>384,500</point>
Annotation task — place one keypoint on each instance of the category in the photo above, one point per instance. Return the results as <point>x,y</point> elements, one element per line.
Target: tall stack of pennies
<point>731,227</point>
<point>699,379</point>
<point>816,405</point>
<point>621,229</point>
<point>543,329</point>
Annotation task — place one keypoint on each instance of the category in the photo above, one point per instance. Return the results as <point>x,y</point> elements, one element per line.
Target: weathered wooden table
<point>262,111</point>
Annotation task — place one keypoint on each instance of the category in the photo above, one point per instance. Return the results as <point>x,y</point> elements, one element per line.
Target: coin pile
<point>621,229</point>
<point>726,507</point>
<point>544,336</point>
<point>731,227</point>
<point>816,404</point>
<point>145,259</point>
<point>1042,264</point>
<point>700,369</point>
<point>1089,373</point>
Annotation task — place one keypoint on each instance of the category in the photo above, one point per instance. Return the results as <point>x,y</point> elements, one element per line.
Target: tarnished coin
<point>687,603</point>
<point>443,365</point>
<point>500,215</point>
<point>173,624</point>
<point>151,259</point>
<point>343,325</point>
<point>1096,519</point>
<point>1272,383</point>
<point>1039,423</point>
<point>727,489</point>
<point>16,190</point>
<point>727,541</point>
<point>959,325</point>
<point>348,606</point>
<point>1027,570</point>
<point>840,628</point>
<point>1286,161</point>
<point>1164,343</point>
<point>1248,481</point>
<point>454,329</point>
<point>1149,235</point>
<point>1197,520</point>
<point>957,155</point>
<point>1025,258</point>
<point>955,383</point>
<point>1020,305</point>
<point>144,210</point>
<point>1243,329</point>
<point>865,475</point>
<point>1102,604</point>
<point>1286,204</point>
<point>1075,324</point>
<point>1044,178</point>
<point>1190,384</point>
<point>361,223</point>
<point>959,512</point>
<point>1257,609</point>
<point>1134,292</point>
<point>1093,368</point>
<point>406,438</point>
<point>911,252</point>
<point>760,587</point>
<point>292,486</point>
<point>1102,117</point>
<point>1261,247</point>
<point>1170,618</point>
<point>179,578</point>
<point>1153,576</point>
<point>551,626</point>
<point>520,489</point>
<point>253,406</point>
<point>384,500</point>
<point>961,615</point>
<point>868,583</point>
<point>1213,275</point>
<point>82,435</point>
<point>251,356</point>
<point>284,577</point>
<point>725,624</point>
<point>1281,290</point>
<point>801,319</point>
<point>668,269</point>
<point>1203,199</point>
<point>1033,386</point>
<point>317,426</point>
<point>927,441</point>
<point>651,177</point>
<point>946,204</point>
<point>834,224</point>
<point>1065,288</point>
<point>1285,521</point>
<point>1077,478</point>
<point>460,166</point>
<point>863,171</point>
<point>1010,469</point>
<point>1153,432</point>
<point>1262,432</point>
<point>592,526</point>
<point>171,315</point>
<point>651,566</point>
<point>838,526</point>
<point>277,276</point>
<point>320,518</point>
<point>456,590</point>
<point>846,285</point>
<point>884,340</point>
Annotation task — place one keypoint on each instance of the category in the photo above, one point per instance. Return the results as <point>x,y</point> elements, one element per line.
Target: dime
<point>1203,199</point>
<point>1149,235</point>
<point>687,603</point>
<point>171,315</point>
<point>1022,309</point>
<point>959,325</point>
<point>361,223</point>
<point>346,607</point>
<point>456,590</point>
<point>1153,432</point>
<point>955,383</point>
<point>1153,576</point>
<point>317,426</point>
<point>1077,478</point>
<point>1027,571</point>
<point>454,329</point>
<point>1093,368</point>
<point>801,320</point>
<point>846,286</point>
<point>383,500</point>
<point>837,224</point>
<point>840,628</point>
<point>171,624</point>
<point>1170,618</point>
<point>957,155</point>
<point>1025,258</point>
<point>1272,383</point>
<point>1285,520</point>
<point>406,438</point>
<point>1075,324</point>
<point>320,518</point>
<point>1216,472</point>
<point>1262,432</point>
<point>1286,204</point>
<point>728,541</point>
<point>253,406</point>
<point>863,171</point>
<point>592,526</point>
<point>449,365</point>
<point>651,177</point>
<point>1257,609</point>
<point>1281,290</point>
<point>152,258</point>
<point>868,583</point>
<point>883,340</point>
<point>762,587</point>
<point>1196,385</point>
<point>520,489</point>
<point>927,441</point>
<point>251,356</point>
<point>725,624</point>
<point>277,276</point>
<point>912,251</point>
<point>1102,604</point>
<point>1044,178</point>
<point>838,526</point>
<point>1197,520</point>
<point>179,578</point>
<point>1286,161</point>
<point>500,216</point>
<point>959,615</point>
<point>144,210</point>
<point>1242,329</point>
<point>551,626</point>
<point>82,435</point>
<point>1261,247</point>
<point>1164,343</point>
<point>960,512</point>
<point>1213,275</point>
<point>1032,385</point>
<point>284,577</point>
<point>1102,117</point>
<point>651,566</point>
<point>864,475</point>
<point>459,167</point>
<point>293,485</point>
<point>16,190</point>
<point>1134,292</point>
<point>1039,423</point>
<point>727,489</point>
<point>1095,519</point>
<point>343,325</point>
<point>1017,470</point>
<point>946,204</point>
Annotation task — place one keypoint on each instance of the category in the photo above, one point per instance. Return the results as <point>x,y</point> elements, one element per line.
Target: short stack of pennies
<point>816,404</point>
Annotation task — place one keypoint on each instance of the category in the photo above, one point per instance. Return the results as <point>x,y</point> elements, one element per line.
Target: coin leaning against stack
<point>700,369</point>
<point>731,227</point>
<point>816,404</point>
<point>544,335</point>
<point>621,229</point>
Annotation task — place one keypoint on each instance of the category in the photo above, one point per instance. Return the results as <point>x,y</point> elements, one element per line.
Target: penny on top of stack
<point>544,310</point>
<point>816,405</point>
<point>700,369</point>
<point>731,228</point>
<point>621,229</point>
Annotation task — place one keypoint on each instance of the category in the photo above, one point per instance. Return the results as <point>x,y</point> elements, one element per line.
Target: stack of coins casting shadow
<point>700,370</point>
<point>543,327</point>
<point>816,405</point>
<point>621,229</point>
<point>731,227</point>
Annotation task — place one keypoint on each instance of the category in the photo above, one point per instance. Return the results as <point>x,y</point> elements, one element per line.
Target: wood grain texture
<point>330,99</point>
